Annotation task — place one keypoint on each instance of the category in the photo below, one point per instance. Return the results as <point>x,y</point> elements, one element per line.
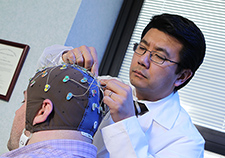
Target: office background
<point>44,23</point>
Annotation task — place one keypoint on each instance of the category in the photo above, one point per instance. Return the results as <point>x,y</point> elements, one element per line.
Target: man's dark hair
<point>193,51</point>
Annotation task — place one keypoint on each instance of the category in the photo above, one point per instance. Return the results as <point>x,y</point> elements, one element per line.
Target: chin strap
<point>86,135</point>
<point>24,139</point>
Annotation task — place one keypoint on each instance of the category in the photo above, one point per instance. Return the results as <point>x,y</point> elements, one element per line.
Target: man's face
<point>18,125</point>
<point>153,81</point>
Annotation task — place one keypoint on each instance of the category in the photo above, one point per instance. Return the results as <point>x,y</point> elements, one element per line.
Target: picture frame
<point>12,57</point>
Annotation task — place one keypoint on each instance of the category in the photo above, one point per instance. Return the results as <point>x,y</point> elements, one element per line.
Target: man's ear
<point>44,112</point>
<point>183,76</point>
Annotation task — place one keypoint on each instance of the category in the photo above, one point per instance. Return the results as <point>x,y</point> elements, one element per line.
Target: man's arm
<point>52,56</point>
<point>126,139</point>
<point>83,56</point>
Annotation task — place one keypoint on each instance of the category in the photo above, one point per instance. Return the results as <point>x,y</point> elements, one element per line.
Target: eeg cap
<point>75,95</point>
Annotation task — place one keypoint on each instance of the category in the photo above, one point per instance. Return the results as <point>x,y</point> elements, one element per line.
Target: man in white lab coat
<point>170,51</point>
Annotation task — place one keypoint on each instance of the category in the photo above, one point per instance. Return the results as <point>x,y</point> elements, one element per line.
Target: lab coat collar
<point>164,111</point>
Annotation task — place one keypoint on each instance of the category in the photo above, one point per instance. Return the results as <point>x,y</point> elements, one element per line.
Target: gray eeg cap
<point>75,96</point>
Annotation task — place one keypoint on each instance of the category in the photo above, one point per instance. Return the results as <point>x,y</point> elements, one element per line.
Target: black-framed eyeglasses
<point>155,56</point>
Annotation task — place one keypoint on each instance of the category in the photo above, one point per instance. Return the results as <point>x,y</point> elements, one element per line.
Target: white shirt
<point>166,131</point>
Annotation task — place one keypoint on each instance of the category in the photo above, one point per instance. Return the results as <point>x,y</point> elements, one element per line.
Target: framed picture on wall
<point>12,57</point>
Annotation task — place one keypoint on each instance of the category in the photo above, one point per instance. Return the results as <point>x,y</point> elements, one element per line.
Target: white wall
<point>94,24</point>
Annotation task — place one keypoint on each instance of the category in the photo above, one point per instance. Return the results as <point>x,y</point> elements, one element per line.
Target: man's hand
<point>83,56</point>
<point>118,96</point>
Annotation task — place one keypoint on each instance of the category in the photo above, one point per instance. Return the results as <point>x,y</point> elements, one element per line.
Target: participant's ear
<point>183,76</point>
<point>44,112</point>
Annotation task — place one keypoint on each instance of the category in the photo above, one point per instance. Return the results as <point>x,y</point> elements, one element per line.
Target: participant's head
<point>180,47</point>
<point>64,97</point>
